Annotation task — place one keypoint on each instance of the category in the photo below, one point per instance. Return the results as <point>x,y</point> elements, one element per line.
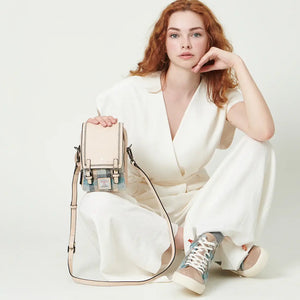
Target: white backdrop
<point>56,56</point>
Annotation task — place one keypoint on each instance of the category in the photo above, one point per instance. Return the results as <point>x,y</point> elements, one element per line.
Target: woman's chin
<point>188,66</point>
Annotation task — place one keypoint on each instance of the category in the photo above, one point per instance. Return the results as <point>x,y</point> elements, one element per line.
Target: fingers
<point>207,68</point>
<point>207,58</point>
<point>211,65</point>
<point>93,121</point>
<point>105,121</point>
<point>215,59</point>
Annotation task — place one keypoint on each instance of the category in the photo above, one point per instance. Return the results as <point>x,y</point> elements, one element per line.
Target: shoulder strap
<point>71,246</point>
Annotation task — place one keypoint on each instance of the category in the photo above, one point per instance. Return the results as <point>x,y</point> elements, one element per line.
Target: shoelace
<point>199,256</point>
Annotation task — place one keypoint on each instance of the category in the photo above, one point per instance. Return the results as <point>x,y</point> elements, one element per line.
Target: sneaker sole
<point>189,283</point>
<point>258,267</point>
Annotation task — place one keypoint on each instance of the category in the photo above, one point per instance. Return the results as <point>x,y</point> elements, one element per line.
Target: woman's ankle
<point>178,244</point>
<point>179,239</point>
<point>251,258</point>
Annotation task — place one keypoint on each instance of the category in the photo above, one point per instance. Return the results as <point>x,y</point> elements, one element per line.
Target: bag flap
<point>101,145</point>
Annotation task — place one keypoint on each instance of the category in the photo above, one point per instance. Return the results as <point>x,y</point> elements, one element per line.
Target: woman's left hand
<point>252,115</point>
<point>216,59</point>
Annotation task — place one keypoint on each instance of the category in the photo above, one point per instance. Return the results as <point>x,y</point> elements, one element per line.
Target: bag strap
<point>71,246</point>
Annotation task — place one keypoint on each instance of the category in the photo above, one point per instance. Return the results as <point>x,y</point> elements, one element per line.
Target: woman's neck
<point>181,82</point>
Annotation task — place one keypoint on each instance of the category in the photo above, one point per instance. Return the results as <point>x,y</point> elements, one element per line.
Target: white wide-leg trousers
<point>235,201</point>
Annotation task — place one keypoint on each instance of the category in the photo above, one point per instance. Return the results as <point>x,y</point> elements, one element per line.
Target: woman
<point>179,106</point>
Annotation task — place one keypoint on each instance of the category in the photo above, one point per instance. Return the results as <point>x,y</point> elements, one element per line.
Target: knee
<point>258,148</point>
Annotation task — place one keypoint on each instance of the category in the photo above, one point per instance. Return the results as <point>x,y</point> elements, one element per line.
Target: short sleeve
<point>102,104</point>
<point>234,96</point>
<point>107,103</point>
<point>115,101</point>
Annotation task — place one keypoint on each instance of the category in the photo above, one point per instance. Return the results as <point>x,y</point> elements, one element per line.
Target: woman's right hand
<point>103,120</point>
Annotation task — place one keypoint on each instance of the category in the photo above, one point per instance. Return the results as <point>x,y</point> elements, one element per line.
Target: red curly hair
<point>156,58</point>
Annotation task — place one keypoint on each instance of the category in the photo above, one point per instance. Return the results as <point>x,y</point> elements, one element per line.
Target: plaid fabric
<point>103,181</point>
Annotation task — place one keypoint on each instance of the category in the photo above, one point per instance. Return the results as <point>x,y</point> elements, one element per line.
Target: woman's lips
<point>186,55</point>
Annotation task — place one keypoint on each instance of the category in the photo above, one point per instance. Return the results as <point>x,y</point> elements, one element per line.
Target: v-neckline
<point>183,116</point>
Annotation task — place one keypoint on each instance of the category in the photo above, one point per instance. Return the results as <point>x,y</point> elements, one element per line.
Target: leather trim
<point>73,218</point>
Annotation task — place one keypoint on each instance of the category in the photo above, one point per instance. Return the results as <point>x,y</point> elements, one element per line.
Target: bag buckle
<point>116,174</point>
<point>72,248</point>
<point>130,155</point>
<point>77,155</point>
<point>88,172</point>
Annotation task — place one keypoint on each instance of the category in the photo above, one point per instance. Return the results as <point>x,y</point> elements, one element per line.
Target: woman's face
<point>186,40</point>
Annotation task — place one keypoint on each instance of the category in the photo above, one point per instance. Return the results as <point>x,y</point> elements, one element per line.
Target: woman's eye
<point>196,34</point>
<point>173,35</point>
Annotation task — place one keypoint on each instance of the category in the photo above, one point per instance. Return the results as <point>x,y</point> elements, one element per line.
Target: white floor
<point>35,268</point>
<point>34,258</point>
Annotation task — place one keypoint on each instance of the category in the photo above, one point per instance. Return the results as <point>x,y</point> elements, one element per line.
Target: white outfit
<point>131,235</point>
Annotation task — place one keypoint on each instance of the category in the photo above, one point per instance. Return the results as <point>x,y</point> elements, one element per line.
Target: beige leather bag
<point>101,159</point>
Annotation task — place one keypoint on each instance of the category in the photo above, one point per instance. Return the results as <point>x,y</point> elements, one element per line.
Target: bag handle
<point>71,246</point>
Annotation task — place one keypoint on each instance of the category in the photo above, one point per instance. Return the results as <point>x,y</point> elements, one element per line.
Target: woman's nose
<point>186,44</point>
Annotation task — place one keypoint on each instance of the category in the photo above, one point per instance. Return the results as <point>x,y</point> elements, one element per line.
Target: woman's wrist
<point>238,63</point>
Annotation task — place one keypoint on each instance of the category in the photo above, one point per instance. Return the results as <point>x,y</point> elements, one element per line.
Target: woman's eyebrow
<point>191,29</point>
<point>196,28</point>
